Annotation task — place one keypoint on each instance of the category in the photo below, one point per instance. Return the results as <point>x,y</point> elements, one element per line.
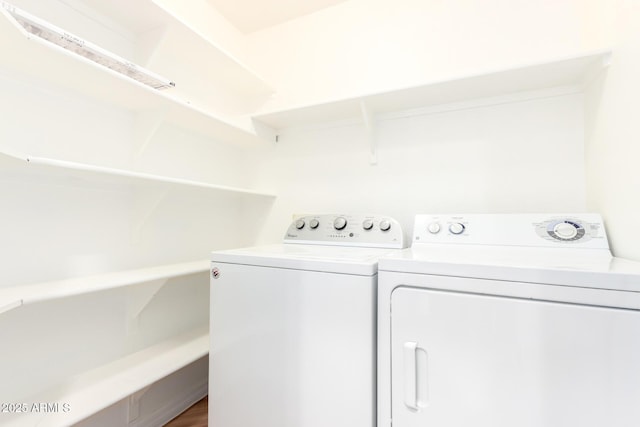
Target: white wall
<point>613,174</point>
<point>508,158</point>
<point>524,156</point>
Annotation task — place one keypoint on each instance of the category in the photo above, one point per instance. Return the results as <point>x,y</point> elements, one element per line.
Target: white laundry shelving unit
<point>94,390</point>
<point>91,387</point>
<point>562,75</point>
<point>25,53</point>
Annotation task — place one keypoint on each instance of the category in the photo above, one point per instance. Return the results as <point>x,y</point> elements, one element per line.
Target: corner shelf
<point>101,387</point>
<point>17,296</point>
<point>570,73</point>
<point>26,54</point>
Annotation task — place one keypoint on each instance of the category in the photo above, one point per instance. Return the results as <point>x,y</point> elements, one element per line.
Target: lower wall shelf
<point>14,297</point>
<point>94,390</point>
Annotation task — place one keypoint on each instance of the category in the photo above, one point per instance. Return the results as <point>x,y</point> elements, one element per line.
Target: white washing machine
<point>508,320</point>
<point>293,337</point>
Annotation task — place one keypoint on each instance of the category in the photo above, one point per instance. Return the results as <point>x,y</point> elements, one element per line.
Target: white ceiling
<point>253,15</point>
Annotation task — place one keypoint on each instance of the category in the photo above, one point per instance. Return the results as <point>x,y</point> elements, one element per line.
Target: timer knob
<point>434,228</point>
<point>385,225</point>
<point>456,228</point>
<point>300,224</point>
<point>367,224</point>
<point>565,230</point>
<point>340,223</point>
<point>314,223</point>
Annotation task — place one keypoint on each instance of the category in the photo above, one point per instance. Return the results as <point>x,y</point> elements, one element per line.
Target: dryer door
<point>461,360</point>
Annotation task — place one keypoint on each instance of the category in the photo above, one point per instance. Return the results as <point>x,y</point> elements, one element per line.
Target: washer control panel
<point>535,230</point>
<point>346,230</point>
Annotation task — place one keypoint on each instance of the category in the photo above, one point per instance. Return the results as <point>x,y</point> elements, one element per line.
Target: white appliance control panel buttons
<point>433,227</point>
<point>532,230</point>
<point>346,230</point>
<point>456,228</point>
<point>340,223</point>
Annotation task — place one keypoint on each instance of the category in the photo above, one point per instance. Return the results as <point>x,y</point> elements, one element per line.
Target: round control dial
<point>299,224</point>
<point>340,223</point>
<point>385,225</point>
<point>367,224</point>
<point>433,228</point>
<point>314,223</point>
<point>456,228</point>
<point>566,230</point>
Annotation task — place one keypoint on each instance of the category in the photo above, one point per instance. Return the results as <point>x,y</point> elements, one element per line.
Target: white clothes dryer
<point>508,320</point>
<point>293,338</point>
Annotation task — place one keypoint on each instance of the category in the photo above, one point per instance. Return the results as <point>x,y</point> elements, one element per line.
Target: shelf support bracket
<point>149,43</point>
<point>8,307</point>
<point>146,125</point>
<point>139,297</point>
<point>264,132</point>
<point>145,205</point>
<point>370,132</point>
<point>134,403</point>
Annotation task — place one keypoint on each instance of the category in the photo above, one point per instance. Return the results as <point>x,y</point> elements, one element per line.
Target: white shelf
<point>99,388</point>
<point>34,57</point>
<point>564,72</point>
<point>194,19</point>
<point>14,297</point>
<point>81,170</point>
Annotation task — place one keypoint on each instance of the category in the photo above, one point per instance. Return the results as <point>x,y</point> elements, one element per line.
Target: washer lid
<point>331,259</point>
<point>560,266</point>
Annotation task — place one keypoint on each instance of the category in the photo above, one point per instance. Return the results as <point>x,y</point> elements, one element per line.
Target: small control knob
<point>456,228</point>
<point>385,225</point>
<point>367,224</point>
<point>434,228</point>
<point>314,223</point>
<point>565,230</point>
<point>340,223</point>
<point>300,224</point>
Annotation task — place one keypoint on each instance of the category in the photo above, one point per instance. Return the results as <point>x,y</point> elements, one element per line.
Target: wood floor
<point>195,416</point>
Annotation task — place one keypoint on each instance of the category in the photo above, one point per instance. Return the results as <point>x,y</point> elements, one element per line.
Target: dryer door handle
<point>410,375</point>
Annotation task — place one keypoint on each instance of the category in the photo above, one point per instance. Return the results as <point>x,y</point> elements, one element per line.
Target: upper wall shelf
<point>31,56</point>
<point>571,71</point>
<point>569,74</point>
<point>191,40</point>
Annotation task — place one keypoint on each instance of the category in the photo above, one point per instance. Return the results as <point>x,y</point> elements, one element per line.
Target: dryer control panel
<point>346,230</point>
<point>529,230</point>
